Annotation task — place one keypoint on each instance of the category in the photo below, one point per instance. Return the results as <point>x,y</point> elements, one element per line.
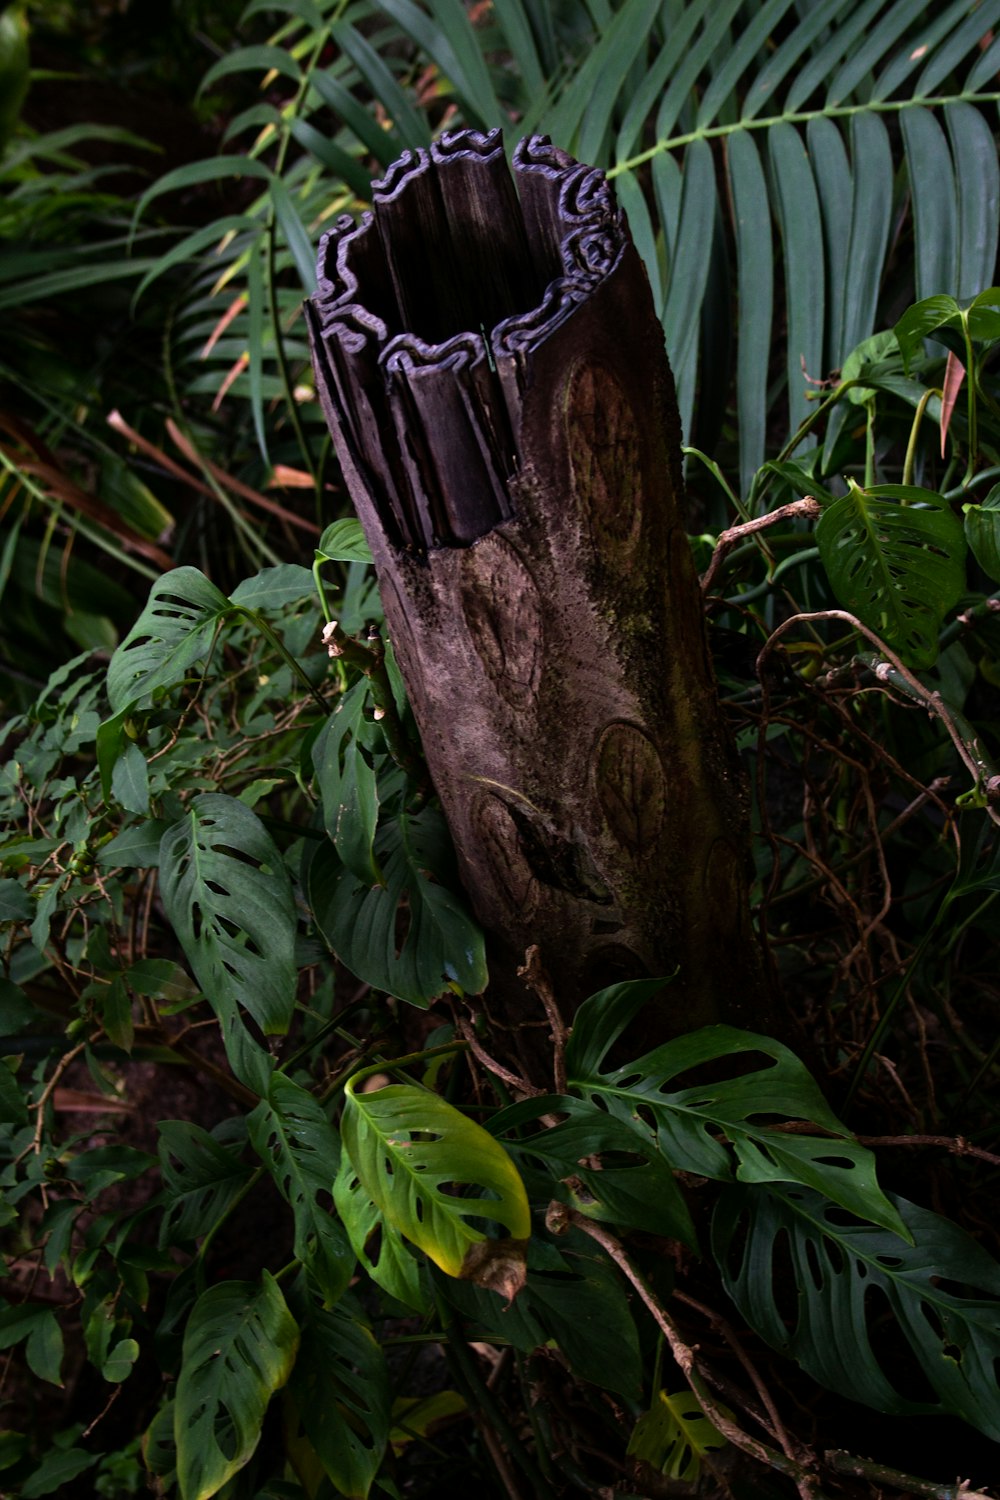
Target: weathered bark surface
<point>497,388</point>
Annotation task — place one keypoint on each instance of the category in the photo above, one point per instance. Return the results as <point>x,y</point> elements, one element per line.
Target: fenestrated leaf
<point>239,1348</point>
<point>378,1245</point>
<point>587,1153</point>
<point>340,1389</point>
<point>675,1436</point>
<point>201,1177</point>
<point>441,945</point>
<point>982,532</point>
<point>228,896</point>
<point>296,1142</point>
<point>175,630</point>
<point>898,567</point>
<point>689,1122</point>
<point>415,1154</point>
<point>846,1278</point>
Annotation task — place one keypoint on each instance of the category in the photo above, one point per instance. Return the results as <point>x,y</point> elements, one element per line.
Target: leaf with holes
<point>340,1390</point>
<point>175,630</point>
<point>378,1245</point>
<point>202,1178</point>
<point>427,1166</point>
<point>702,1127</point>
<point>675,1436</point>
<point>413,937</point>
<point>239,1348</point>
<point>602,1167</point>
<point>840,1297</point>
<point>296,1142</point>
<point>228,897</point>
<point>898,567</point>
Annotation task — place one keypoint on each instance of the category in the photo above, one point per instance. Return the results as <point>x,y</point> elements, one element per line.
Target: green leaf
<point>16,904</point>
<point>922,319</point>
<point>935,208</point>
<point>201,1180</point>
<point>689,1122</point>
<point>822,1288</point>
<point>239,1348</point>
<point>137,847</point>
<point>605,1170</point>
<point>982,532</point>
<point>410,122</point>
<point>899,568</point>
<point>175,630</point>
<point>798,214</point>
<point>116,1013</point>
<point>120,1362</point>
<point>59,1466</point>
<point>441,944</point>
<point>414,1153</point>
<point>675,1436</point>
<point>977,179</point>
<point>343,541</point>
<point>296,1142</point>
<point>16,1010</point>
<point>228,896</point>
<point>130,780</point>
<point>13,1105</point>
<point>340,1389</point>
<point>345,775</point>
<point>689,259</point>
<point>273,588</point>
<point>258,59</point>
<point>44,1349</point>
<point>755,299</point>
<point>393,1266</point>
<point>448,38</point>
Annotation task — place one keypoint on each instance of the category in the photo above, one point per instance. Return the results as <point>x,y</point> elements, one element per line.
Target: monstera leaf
<point>175,630</point>
<point>296,1142</point>
<point>340,1391</point>
<point>413,935</point>
<point>427,1166</point>
<point>239,1349</point>
<point>898,566</point>
<point>822,1287</point>
<point>727,1128</point>
<point>675,1436</point>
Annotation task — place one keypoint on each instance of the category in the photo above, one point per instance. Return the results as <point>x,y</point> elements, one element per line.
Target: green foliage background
<point>227,896</point>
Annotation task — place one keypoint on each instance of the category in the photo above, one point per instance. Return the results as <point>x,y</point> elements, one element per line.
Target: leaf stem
<point>796,117</point>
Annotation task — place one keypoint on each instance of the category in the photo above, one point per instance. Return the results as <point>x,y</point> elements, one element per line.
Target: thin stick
<point>558,1220</point>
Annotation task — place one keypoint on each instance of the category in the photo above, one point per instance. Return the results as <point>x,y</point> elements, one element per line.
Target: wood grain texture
<point>522,502</point>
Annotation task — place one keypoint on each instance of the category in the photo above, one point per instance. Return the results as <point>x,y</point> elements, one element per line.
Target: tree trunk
<point>495,382</point>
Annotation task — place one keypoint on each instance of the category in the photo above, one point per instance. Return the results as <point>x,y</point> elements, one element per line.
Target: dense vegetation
<point>280,1218</point>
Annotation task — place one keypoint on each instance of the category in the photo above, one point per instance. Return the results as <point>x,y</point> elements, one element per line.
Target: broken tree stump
<point>495,381</point>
